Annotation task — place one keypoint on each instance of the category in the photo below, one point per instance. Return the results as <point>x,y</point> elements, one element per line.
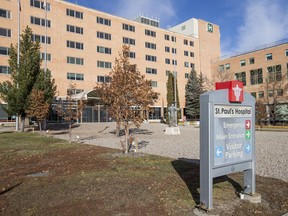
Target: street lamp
<point>18,58</point>
<point>45,52</point>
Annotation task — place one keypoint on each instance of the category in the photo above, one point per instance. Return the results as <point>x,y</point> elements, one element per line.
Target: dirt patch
<point>88,180</point>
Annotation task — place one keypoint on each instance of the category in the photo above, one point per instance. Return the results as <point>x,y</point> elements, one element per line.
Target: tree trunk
<point>126,138</point>
<point>118,126</point>
<point>40,125</point>
<point>22,124</point>
<point>70,132</point>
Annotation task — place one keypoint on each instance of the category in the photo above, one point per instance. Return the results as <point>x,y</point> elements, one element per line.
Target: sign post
<point>227,137</point>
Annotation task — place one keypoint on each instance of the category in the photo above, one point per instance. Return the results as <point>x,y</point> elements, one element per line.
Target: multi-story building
<point>257,68</point>
<point>82,44</point>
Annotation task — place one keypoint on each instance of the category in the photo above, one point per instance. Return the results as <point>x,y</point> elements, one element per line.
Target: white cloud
<point>162,9</point>
<point>265,21</point>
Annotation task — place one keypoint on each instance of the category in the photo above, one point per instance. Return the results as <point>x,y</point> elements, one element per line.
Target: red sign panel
<point>247,124</point>
<point>235,89</point>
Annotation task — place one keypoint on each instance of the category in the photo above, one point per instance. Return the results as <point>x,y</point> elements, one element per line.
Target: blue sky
<point>244,24</point>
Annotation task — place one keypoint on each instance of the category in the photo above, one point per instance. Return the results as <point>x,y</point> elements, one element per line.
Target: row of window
<point>274,73</point>
<point>75,29</point>
<point>102,79</point>
<point>271,93</point>
<point>268,57</point>
<point>41,38</point>
<point>5,32</point>
<point>40,21</point>
<point>40,4</point>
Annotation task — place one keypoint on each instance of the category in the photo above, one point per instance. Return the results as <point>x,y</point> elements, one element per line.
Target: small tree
<point>127,94</point>
<point>17,91</point>
<point>275,90</point>
<point>261,113</point>
<point>39,107</point>
<point>194,88</point>
<point>70,109</point>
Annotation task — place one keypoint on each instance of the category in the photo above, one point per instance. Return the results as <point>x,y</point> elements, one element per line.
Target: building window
<point>5,70</point>
<point>286,52</point>
<point>150,45</point>
<point>167,37</point>
<point>48,55</point>
<point>151,58</point>
<point>186,53</point>
<point>74,91</point>
<point>261,94</point>
<point>168,72</point>
<point>103,79</point>
<point>221,68</point>
<point>241,76</point>
<point>40,21</point>
<point>186,75</point>
<point>103,64</point>
<point>103,21</point>
<point>105,50</point>
<point>128,41</point>
<point>192,54</point>
<point>167,49</point>
<point>75,76</point>
<point>75,45</point>
<point>154,84</point>
<point>242,62</point>
<point>40,4</point>
<point>174,50</point>
<point>150,33</point>
<point>256,76</point>
<point>75,29</point>
<point>192,65</point>
<point>5,13</point>
<point>173,39</point>
<point>167,61</point>
<point>227,66</point>
<point>103,35</point>
<point>279,92</point>
<point>270,93</point>
<point>192,43</point>
<point>254,94</point>
<point>128,27</point>
<point>174,62</point>
<point>185,42</point>
<point>4,51</point>
<point>5,32</point>
<point>269,57</point>
<point>41,38</point>
<point>132,54</point>
<point>151,70</point>
<point>74,13</point>
<point>252,60</point>
<point>186,64</point>
<point>274,73</point>
<point>74,60</point>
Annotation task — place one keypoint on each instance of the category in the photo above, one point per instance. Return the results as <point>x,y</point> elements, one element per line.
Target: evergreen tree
<point>17,91</point>
<point>194,88</point>
<point>171,95</point>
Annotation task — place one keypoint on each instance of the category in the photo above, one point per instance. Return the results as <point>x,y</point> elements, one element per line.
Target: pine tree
<point>171,95</point>
<point>17,91</point>
<point>194,88</point>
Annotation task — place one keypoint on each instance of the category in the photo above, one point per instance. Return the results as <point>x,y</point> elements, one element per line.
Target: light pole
<point>18,59</point>
<point>45,51</point>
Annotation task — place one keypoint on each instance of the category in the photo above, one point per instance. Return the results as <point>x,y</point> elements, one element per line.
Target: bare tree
<point>70,109</point>
<point>127,94</point>
<point>220,75</point>
<point>275,89</point>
